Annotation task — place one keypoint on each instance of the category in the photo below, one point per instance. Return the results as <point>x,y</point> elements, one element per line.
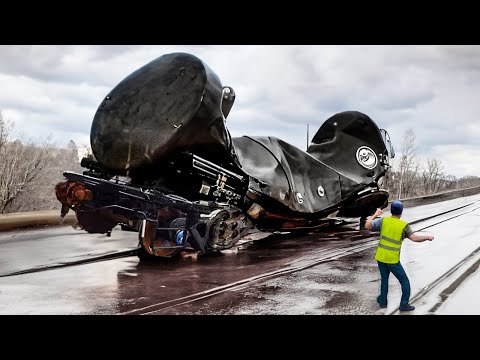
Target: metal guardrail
<point>28,219</point>
<point>441,196</point>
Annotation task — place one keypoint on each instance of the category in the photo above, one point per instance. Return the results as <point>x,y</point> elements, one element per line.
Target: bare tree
<point>433,176</point>
<point>39,194</point>
<point>20,166</point>
<point>5,128</point>
<point>72,153</point>
<point>408,166</point>
<point>468,181</point>
<point>450,182</point>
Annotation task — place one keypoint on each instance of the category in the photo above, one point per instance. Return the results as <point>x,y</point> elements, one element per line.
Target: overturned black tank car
<point>166,166</point>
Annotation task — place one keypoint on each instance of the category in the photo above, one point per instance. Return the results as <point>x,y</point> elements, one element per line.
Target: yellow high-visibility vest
<point>388,250</point>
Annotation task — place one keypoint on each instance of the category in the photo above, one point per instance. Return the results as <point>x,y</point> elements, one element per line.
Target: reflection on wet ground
<point>345,286</point>
<point>215,270</point>
<point>122,285</point>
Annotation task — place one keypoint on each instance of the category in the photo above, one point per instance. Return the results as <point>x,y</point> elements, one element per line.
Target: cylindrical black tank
<point>173,103</point>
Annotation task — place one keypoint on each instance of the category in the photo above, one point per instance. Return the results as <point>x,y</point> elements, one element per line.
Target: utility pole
<point>401,179</point>
<point>307,137</point>
<point>400,187</point>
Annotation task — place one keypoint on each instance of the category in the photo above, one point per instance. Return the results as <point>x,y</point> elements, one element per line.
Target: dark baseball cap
<point>396,208</point>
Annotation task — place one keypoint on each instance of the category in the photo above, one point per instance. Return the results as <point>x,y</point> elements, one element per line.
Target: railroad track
<point>324,256</point>
<point>354,234</point>
<point>106,257</point>
<point>459,272</point>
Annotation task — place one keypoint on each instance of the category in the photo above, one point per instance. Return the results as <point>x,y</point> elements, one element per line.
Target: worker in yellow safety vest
<point>392,232</point>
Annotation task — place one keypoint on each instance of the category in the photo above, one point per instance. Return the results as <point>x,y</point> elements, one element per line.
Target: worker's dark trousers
<point>399,273</point>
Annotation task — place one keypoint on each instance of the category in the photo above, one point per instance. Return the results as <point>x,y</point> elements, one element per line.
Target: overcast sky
<point>56,90</point>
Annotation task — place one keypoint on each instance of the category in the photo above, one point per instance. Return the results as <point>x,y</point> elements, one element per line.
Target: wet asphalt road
<point>339,287</point>
<point>126,286</point>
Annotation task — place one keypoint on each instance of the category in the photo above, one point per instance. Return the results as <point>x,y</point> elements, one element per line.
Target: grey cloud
<point>107,52</point>
<point>40,62</point>
<point>462,57</point>
<point>280,89</point>
<point>95,64</point>
<point>403,101</point>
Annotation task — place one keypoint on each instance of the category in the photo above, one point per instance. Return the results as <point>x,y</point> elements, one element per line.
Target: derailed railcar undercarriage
<point>166,223</point>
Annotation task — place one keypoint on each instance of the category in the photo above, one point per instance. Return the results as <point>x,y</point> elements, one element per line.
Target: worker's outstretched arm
<point>420,238</point>
<point>368,223</point>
